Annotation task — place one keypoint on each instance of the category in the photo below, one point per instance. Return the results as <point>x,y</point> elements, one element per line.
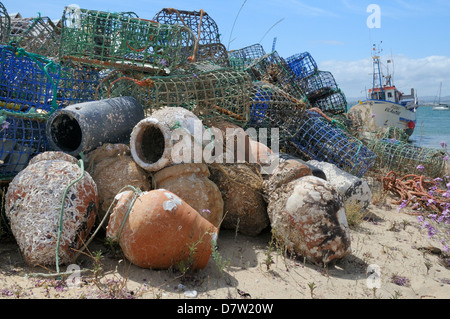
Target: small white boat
<point>441,106</point>
<point>386,105</point>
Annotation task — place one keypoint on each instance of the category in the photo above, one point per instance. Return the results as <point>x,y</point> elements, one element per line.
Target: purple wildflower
<point>420,167</point>
<point>5,125</point>
<point>443,144</point>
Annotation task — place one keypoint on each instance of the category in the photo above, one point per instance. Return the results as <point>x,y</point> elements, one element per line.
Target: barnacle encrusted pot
<point>160,230</point>
<point>34,203</point>
<point>308,217</point>
<point>112,168</point>
<point>171,135</point>
<point>241,188</point>
<point>191,183</point>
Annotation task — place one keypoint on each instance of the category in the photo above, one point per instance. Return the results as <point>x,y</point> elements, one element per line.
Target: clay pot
<point>171,135</point>
<point>191,183</point>
<point>160,229</point>
<point>53,155</point>
<point>241,188</point>
<point>33,205</point>
<point>308,217</point>
<point>112,168</point>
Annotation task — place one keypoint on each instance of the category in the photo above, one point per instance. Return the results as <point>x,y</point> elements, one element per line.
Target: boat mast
<point>376,80</point>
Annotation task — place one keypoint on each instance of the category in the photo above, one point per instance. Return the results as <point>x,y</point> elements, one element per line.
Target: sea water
<point>432,128</point>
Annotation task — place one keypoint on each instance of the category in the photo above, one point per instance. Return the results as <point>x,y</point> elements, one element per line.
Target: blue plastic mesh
<point>31,81</point>
<point>318,139</point>
<point>302,64</point>
<point>21,137</point>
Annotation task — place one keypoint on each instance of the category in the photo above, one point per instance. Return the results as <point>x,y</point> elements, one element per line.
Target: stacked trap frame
<point>320,140</point>
<point>207,44</point>
<point>208,91</point>
<point>5,24</point>
<point>302,64</point>
<point>123,41</point>
<point>242,58</point>
<point>404,158</point>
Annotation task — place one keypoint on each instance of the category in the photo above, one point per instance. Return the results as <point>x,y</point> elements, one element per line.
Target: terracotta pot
<point>308,216</point>
<point>159,230</point>
<point>112,168</point>
<point>191,183</point>
<point>155,141</point>
<point>244,205</point>
<point>33,205</point>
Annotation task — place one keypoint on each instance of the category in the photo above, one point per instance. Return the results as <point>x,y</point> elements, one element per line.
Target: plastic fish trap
<point>22,135</point>
<point>36,35</point>
<point>302,64</point>
<point>216,92</point>
<point>122,41</point>
<point>30,81</point>
<point>405,158</point>
<point>5,24</point>
<point>273,108</point>
<point>318,85</point>
<point>242,58</point>
<point>320,140</point>
<point>334,103</point>
<point>273,69</point>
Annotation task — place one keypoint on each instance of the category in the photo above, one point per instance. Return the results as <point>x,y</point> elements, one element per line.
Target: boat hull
<point>382,114</point>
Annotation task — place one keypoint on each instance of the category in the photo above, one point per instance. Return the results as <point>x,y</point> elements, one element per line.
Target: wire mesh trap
<point>5,24</point>
<point>318,85</point>
<point>273,108</point>
<point>334,103</point>
<point>405,158</point>
<point>215,92</point>
<point>32,82</point>
<point>122,41</point>
<point>36,35</point>
<point>242,58</point>
<point>302,64</point>
<point>273,69</point>
<point>318,139</point>
<point>21,137</point>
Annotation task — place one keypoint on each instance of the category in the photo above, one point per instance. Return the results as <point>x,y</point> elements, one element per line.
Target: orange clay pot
<point>191,183</point>
<point>160,229</point>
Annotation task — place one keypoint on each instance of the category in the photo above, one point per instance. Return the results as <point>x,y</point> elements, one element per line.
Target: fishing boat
<point>440,106</point>
<point>386,106</point>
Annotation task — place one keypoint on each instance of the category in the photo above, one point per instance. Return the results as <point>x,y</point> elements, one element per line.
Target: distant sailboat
<point>441,106</point>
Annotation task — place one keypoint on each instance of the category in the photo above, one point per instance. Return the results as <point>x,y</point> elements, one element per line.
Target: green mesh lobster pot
<point>242,58</point>
<point>32,82</point>
<point>273,69</point>
<point>273,108</point>
<point>320,140</point>
<point>36,35</point>
<point>5,24</point>
<point>122,41</point>
<point>404,158</point>
<point>209,92</point>
<point>333,104</point>
<point>302,64</point>
<point>318,85</point>
<point>22,136</point>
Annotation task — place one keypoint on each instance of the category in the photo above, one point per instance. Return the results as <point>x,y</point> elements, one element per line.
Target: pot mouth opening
<point>152,144</point>
<point>66,133</point>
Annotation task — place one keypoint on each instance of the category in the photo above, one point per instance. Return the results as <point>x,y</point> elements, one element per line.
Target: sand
<point>390,242</point>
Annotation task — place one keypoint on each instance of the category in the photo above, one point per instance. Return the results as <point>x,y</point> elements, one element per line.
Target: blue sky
<point>416,34</point>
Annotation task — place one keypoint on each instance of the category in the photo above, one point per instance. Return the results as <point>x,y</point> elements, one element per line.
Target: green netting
<point>318,85</point>
<point>5,24</point>
<point>205,90</point>
<point>271,107</point>
<point>120,41</point>
<point>333,103</point>
<point>404,158</point>
<point>36,35</point>
<point>273,69</point>
<point>242,58</point>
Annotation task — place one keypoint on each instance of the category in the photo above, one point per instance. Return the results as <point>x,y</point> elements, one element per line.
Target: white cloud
<point>423,74</point>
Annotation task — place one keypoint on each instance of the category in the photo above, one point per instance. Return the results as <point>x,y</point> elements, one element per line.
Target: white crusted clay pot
<point>308,216</point>
<point>33,205</point>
